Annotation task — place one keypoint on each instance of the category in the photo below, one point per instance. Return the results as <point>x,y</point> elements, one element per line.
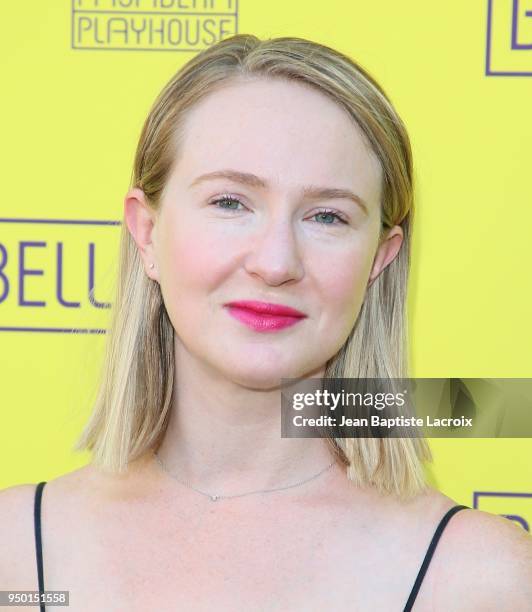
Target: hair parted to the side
<point>133,401</point>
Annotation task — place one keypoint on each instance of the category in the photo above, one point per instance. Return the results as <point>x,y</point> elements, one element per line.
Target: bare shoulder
<point>484,561</point>
<point>17,537</point>
<point>18,562</point>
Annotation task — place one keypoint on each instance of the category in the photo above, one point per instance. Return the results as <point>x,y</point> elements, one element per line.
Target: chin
<point>262,377</point>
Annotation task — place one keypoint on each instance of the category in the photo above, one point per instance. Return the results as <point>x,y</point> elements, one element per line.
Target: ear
<point>140,219</point>
<point>388,249</point>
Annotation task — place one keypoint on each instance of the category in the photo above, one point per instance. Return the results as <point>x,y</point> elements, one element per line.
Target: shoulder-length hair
<point>133,400</point>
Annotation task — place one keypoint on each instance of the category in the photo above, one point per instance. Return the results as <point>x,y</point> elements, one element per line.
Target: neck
<point>224,438</point>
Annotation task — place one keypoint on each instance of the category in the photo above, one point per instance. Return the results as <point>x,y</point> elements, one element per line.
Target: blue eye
<point>330,213</point>
<point>226,198</point>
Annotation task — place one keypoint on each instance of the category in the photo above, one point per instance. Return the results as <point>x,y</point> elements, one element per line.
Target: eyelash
<point>324,211</point>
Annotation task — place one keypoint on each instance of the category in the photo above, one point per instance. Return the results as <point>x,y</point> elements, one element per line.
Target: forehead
<point>287,132</point>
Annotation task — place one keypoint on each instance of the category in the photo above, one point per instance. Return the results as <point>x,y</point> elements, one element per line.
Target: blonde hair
<point>133,402</point>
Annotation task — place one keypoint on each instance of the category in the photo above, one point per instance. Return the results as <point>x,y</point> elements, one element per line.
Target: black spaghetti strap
<point>429,553</point>
<point>38,539</point>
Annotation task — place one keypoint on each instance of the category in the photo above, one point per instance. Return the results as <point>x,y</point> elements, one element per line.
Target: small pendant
<point>215,497</point>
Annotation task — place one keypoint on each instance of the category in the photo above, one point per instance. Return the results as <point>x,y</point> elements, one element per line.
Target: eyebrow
<point>311,192</point>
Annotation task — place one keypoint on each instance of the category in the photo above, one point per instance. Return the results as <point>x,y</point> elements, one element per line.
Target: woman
<point>267,172</point>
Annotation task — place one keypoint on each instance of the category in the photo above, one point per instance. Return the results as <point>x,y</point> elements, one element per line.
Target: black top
<point>38,539</point>
<point>408,607</point>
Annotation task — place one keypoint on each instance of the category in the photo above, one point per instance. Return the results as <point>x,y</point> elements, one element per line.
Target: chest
<point>227,559</point>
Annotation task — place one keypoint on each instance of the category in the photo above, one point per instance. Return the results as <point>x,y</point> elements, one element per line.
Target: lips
<point>264,316</point>
<point>267,308</point>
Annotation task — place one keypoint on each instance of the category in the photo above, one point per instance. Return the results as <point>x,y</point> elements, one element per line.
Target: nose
<point>274,253</point>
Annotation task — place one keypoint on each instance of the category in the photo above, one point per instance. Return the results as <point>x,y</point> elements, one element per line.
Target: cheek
<point>187,272</point>
<point>343,285</point>
<point>192,260</point>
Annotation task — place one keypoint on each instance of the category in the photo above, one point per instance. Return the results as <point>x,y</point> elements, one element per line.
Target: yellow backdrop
<point>78,79</point>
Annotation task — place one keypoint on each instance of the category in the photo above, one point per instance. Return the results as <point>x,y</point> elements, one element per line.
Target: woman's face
<point>263,231</point>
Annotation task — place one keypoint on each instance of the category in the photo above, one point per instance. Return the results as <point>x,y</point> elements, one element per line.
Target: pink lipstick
<point>264,316</point>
